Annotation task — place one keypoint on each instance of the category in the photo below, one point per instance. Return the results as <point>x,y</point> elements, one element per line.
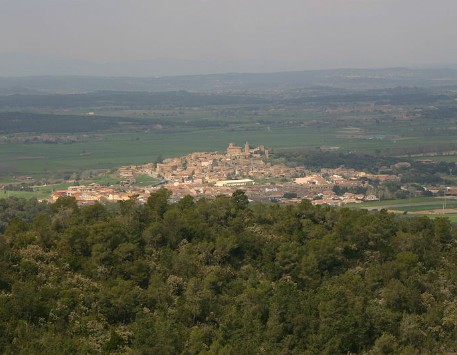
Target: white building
<point>243,182</point>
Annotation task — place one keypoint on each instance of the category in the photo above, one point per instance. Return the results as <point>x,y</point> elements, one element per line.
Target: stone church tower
<point>246,149</point>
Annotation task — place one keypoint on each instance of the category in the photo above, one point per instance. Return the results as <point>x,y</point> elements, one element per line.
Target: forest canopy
<point>223,276</point>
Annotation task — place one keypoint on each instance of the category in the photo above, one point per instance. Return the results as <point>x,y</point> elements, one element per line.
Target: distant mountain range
<point>18,64</point>
<point>13,83</point>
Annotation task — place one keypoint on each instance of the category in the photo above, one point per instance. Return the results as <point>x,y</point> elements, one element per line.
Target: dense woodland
<point>223,276</point>
<point>319,159</point>
<point>23,122</point>
<point>315,96</point>
<point>126,99</point>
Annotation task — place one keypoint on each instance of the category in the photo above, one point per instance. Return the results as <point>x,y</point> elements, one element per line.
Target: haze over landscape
<point>228,177</point>
<point>174,37</point>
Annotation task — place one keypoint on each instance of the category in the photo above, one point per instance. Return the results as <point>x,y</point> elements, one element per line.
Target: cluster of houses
<point>286,193</point>
<point>211,167</point>
<point>214,173</point>
<point>87,194</point>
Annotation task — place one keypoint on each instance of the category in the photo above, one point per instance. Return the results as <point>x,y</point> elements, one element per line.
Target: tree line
<point>223,276</point>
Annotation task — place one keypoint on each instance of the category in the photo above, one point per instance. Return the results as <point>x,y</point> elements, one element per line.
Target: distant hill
<point>137,100</point>
<point>21,64</point>
<point>235,82</point>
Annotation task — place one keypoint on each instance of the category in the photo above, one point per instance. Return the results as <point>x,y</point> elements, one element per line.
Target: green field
<point>451,216</point>
<point>41,192</point>
<point>135,131</point>
<point>24,194</point>
<point>414,205</point>
<point>437,206</point>
<point>115,149</point>
<point>395,204</point>
<point>139,148</point>
<point>446,158</point>
<point>38,192</point>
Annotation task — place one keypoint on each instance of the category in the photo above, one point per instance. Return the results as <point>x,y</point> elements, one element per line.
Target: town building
<point>242,182</point>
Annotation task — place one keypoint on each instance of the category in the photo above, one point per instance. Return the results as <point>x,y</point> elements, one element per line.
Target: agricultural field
<point>56,136</point>
<point>431,207</point>
<point>108,149</point>
<point>451,216</point>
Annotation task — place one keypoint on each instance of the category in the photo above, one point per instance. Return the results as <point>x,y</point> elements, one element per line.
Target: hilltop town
<point>209,174</point>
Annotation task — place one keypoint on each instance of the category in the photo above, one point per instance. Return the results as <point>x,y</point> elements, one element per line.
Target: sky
<point>267,34</point>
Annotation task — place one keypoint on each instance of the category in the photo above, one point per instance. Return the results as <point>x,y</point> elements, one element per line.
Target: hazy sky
<point>306,33</point>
